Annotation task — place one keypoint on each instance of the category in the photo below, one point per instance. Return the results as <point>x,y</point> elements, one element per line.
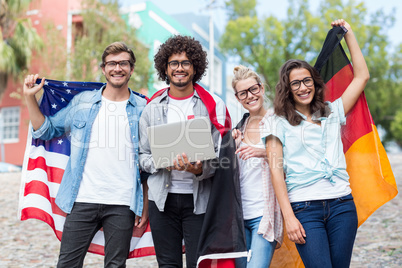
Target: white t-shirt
<point>251,185</point>
<point>108,175</point>
<point>181,109</point>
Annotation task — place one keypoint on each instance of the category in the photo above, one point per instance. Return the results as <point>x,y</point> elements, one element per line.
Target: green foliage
<point>396,127</point>
<point>102,25</point>
<point>391,93</point>
<point>241,8</point>
<point>18,40</point>
<point>54,61</point>
<point>266,43</point>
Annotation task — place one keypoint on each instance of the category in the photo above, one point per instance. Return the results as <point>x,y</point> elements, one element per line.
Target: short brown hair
<point>116,48</point>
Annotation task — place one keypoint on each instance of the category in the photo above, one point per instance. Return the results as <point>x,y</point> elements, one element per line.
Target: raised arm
<point>361,73</point>
<point>30,89</point>
<point>294,228</point>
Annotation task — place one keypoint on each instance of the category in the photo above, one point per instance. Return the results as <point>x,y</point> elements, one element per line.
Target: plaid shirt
<point>271,225</point>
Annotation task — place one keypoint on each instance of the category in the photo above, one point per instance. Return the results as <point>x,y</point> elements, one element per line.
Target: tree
<point>396,127</point>
<point>101,25</point>
<point>266,43</point>
<point>394,91</point>
<point>18,40</point>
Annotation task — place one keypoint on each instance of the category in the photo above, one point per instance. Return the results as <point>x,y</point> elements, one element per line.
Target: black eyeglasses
<point>307,81</point>
<point>174,64</point>
<point>254,89</point>
<point>112,64</point>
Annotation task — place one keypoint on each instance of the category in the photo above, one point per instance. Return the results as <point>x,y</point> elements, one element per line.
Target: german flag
<point>371,178</point>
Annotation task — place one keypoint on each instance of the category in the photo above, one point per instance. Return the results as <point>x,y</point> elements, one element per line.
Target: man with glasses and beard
<point>101,185</point>
<point>179,194</point>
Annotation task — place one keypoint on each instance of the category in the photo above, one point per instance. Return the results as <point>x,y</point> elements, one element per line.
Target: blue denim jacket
<point>77,118</point>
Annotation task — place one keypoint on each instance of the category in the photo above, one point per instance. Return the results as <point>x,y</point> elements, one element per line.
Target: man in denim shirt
<point>101,185</point>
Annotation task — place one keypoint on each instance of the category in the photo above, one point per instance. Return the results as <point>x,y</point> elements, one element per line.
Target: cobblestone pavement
<point>32,243</point>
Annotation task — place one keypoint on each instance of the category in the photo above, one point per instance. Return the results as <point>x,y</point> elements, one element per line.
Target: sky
<point>266,8</point>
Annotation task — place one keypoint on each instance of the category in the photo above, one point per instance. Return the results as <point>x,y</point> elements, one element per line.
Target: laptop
<point>192,137</point>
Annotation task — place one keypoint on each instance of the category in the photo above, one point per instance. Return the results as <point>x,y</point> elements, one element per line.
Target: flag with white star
<point>43,169</point>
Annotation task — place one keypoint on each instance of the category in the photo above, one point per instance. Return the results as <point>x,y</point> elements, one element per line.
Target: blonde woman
<point>261,211</point>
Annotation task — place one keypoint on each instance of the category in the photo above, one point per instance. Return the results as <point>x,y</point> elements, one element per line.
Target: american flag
<point>43,168</point>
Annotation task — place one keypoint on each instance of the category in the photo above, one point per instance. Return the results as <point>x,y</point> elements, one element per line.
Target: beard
<point>181,83</point>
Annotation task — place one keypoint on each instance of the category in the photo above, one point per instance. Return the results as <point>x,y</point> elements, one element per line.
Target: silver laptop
<point>192,137</point>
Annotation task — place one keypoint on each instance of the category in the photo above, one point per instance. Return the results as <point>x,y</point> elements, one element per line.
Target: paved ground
<point>33,244</point>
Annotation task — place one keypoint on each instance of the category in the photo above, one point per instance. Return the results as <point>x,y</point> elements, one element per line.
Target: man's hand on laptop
<point>182,163</point>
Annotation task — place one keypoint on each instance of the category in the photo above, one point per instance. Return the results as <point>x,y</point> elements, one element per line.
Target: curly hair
<point>284,104</point>
<point>116,48</point>
<point>177,45</point>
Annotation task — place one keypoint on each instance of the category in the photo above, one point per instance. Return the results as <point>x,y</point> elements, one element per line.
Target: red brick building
<point>64,15</point>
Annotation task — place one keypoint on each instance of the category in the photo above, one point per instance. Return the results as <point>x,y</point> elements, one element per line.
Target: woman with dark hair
<point>303,142</point>
<point>261,212</point>
<point>285,105</point>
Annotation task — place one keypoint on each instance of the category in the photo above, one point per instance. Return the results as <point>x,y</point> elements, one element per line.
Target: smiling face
<point>304,95</point>
<point>181,80</point>
<point>253,102</point>
<point>117,77</point>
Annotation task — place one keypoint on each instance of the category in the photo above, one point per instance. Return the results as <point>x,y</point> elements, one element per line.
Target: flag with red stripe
<point>371,177</point>
<point>43,169</point>
<point>222,122</point>
<point>222,237</point>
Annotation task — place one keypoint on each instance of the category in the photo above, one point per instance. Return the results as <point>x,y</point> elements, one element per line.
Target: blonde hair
<point>242,72</point>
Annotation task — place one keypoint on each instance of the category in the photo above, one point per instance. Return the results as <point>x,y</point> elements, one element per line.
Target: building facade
<point>14,117</point>
<point>153,28</point>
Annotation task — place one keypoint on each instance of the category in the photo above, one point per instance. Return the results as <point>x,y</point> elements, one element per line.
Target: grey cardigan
<point>155,113</point>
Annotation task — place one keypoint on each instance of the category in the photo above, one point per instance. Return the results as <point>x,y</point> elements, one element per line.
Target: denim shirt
<point>77,118</point>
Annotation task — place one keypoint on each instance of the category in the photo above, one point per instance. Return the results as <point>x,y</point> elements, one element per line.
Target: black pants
<point>170,227</point>
<point>82,224</point>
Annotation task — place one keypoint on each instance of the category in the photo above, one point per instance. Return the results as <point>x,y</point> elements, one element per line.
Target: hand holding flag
<point>45,161</point>
<point>371,177</point>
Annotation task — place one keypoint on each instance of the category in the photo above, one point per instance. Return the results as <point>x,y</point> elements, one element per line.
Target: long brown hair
<point>284,103</point>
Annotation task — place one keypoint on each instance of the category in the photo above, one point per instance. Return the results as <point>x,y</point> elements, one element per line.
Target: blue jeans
<point>261,249</point>
<point>170,227</point>
<point>331,227</point>
<point>84,221</point>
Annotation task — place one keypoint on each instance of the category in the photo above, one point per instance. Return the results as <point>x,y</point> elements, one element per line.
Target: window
<point>9,124</point>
